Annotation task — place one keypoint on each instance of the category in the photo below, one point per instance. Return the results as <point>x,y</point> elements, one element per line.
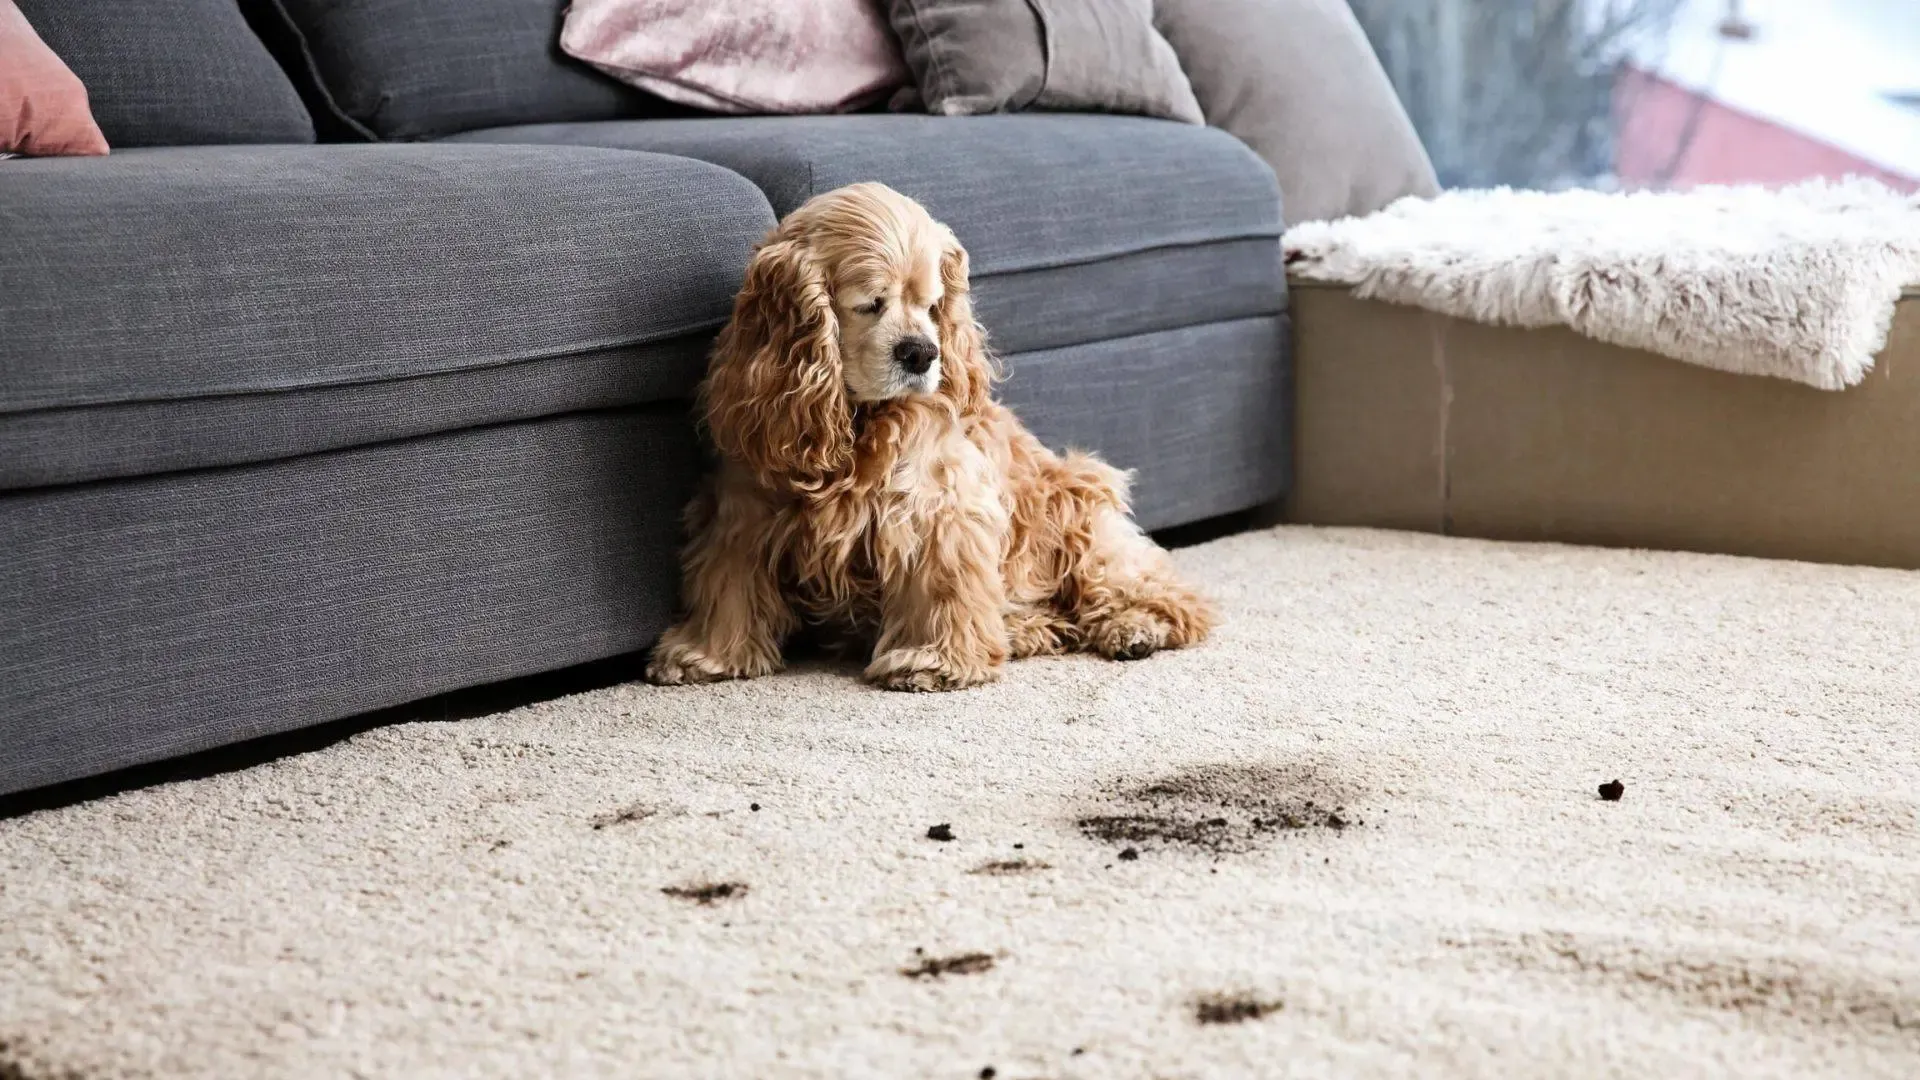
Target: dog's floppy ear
<point>967,370</point>
<point>773,399</point>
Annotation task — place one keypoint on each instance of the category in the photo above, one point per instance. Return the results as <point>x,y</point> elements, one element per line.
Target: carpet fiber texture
<point>1357,834</point>
<point>1798,283</point>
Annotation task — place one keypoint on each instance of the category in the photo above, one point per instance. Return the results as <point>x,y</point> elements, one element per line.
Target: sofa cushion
<point>345,289</point>
<point>408,69</point>
<point>148,618</point>
<point>988,56</point>
<point>1080,228</point>
<point>1266,70</point>
<point>1202,415</point>
<point>742,56</point>
<point>175,74</point>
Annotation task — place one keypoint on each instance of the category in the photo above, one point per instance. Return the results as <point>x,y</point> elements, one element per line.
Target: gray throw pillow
<point>985,56</point>
<point>1298,81</point>
<point>415,69</point>
<point>182,73</point>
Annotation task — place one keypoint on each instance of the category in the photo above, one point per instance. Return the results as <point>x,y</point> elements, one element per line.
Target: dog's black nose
<point>915,354</point>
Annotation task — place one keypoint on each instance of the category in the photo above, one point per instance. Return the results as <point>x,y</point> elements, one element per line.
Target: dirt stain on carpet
<point>1010,867</point>
<point>14,1067</point>
<point>1225,809</point>
<point>1818,994</point>
<point>707,894</point>
<point>1233,1008</point>
<point>933,967</point>
<point>624,815</point>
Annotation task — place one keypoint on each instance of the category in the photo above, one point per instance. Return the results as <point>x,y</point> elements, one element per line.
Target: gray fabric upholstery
<point>1201,414</point>
<point>1164,288</point>
<point>987,56</point>
<point>1299,82</point>
<point>297,591</point>
<point>406,69</point>
<point>170,274</point>
<point>64,446</point>
<point>1157,289</point>
<point>300,590</point>
<point>315,321</point>
<point>172,74</point>
<point>1079,227</point>
<point>1022,191</point>
<point>148,618</point>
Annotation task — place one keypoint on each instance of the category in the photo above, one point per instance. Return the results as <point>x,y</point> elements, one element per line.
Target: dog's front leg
<point>737,618</point>
<point>943,606</point>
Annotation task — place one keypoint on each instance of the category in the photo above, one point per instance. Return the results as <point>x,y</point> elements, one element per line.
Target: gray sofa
<point>292,430</point>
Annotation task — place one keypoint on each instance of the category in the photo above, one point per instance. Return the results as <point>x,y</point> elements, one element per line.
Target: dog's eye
<point>873,307</point>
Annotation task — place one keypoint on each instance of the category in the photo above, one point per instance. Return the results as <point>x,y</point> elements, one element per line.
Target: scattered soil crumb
<point>1010,867</point>
<point>707,895</point>
<point>636,812</point>
<point>1232,1008</point>
<point>932,967</point>
<point>755,807</point>
<point>1129,854</point>
<point>988,1073</point>
<point>499,845</point>
<point>1612,790</point>
<point>941,833</point>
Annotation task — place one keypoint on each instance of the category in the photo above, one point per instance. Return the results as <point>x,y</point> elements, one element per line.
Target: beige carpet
<point>1356,835</point>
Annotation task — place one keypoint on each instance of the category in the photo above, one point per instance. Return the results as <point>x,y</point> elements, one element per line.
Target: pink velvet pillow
<point>43,107</point>
<point>742,56</point>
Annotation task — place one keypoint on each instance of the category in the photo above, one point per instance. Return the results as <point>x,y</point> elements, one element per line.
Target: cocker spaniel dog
<point>872,491</point>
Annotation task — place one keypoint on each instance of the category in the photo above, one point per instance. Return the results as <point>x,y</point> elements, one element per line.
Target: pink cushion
<point>742,56</point>
<point>43,106</point>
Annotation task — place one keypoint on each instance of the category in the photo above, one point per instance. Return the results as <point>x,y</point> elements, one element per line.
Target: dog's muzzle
<point>915,355</point>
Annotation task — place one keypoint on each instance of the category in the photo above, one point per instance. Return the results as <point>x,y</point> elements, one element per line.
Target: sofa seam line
<point>492,365</point>
<point>1175,245</point>
<point>1230,321</point>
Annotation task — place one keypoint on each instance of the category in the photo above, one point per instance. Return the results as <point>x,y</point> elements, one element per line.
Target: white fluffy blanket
<point>1798,283</point>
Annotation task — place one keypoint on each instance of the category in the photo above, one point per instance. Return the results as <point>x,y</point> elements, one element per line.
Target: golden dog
<point>871,489</point>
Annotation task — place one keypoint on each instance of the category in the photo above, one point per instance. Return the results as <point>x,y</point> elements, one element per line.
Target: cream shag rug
<point>1798,283</point>
<point>1356,835</point>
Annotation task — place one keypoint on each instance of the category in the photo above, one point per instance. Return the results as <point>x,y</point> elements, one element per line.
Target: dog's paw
<point>682,665</point>
<point>1131,635</point>
<point>1039,634</point>
<point>924,670</point>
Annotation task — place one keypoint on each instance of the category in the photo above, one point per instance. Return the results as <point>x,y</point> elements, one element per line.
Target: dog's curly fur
<point>908,513</point>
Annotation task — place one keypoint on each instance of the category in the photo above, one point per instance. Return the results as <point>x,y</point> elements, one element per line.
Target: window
<point>1656,93</point>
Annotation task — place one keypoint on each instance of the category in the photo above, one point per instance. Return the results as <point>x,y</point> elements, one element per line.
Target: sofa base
<point>144,619</point>
<point>1413,420</point>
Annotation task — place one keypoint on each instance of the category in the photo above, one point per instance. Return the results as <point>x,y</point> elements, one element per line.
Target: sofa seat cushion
<point>347,291</point>
<point>1081,228</point>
